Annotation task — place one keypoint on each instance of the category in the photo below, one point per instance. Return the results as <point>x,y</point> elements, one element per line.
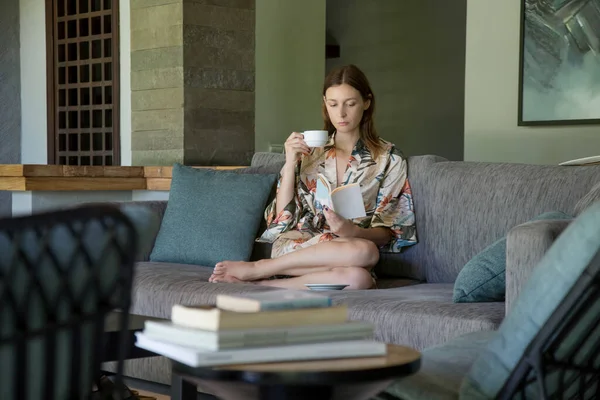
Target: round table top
<point>398,362</point>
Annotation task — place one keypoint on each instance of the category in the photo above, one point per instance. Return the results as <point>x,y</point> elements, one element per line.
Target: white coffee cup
<point>316,138</point>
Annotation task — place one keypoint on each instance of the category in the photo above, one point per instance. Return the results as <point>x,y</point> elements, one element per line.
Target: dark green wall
<point>413,52</point>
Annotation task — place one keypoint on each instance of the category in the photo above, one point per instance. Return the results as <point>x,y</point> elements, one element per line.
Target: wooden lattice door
<point>83,82</point>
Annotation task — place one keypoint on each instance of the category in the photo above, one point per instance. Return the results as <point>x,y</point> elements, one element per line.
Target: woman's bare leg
<point>321,257</point>
<point>354,277</point>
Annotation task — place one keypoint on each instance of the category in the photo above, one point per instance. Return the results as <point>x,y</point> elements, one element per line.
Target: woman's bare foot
<point>227,279</point>
<point>241,270</point>
<point>215,274</point>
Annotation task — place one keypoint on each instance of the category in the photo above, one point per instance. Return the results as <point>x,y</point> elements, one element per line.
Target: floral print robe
<point>384,186</point>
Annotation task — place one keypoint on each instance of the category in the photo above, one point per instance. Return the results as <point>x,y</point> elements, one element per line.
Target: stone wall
<point>10,93</point>
<point>156,82</point>
<point>192,82</point>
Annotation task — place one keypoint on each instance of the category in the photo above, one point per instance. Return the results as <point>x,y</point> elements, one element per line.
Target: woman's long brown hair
<point>353,76</point>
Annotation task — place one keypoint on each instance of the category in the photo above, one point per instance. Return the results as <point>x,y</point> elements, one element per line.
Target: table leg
<point>288,392</point>
<point>182,389</point>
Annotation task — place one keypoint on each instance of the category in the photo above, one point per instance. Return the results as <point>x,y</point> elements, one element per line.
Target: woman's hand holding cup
<point>295,146</point>
<point>316,138</point>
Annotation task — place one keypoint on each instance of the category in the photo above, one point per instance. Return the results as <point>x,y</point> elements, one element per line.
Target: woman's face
<point>345,107</point>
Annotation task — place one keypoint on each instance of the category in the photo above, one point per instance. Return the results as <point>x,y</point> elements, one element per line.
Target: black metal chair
<point>61,273</point>
<point>563,360</point>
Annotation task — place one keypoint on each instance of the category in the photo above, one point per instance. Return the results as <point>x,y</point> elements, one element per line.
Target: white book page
<point>348,202</point>
<point>292,352</point>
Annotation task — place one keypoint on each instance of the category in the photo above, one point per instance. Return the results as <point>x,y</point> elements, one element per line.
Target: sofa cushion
<point>160,285</point>
<point>442,370</point>
<point>569,259</point>
<point>419,316</point>
<point>592,196</point>
<point>211,216</point>
<point>157,287</point>
<point>483,278</point>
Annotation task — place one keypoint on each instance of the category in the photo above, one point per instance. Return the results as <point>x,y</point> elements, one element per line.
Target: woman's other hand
<point>339,225</point>
<point>295,147</point>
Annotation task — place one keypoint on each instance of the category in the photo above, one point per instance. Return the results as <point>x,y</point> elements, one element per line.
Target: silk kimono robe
<point>386,194</point>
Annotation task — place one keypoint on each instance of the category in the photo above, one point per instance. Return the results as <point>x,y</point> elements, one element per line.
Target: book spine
<point>317,302</point>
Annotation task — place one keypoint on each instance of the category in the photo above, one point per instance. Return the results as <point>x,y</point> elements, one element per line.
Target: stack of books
<point>273,326</point>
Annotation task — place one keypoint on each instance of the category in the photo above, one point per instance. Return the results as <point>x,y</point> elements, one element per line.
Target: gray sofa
<point>461,207</point>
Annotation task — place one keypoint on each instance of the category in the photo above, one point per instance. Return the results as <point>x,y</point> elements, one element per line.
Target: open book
<point>345,200</point>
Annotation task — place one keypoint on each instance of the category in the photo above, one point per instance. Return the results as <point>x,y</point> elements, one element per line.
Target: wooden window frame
<point>51,82</point>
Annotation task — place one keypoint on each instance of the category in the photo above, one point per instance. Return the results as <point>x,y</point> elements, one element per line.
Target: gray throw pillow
<point>211,216</point>
<point>483,278</point>
<point>592,196</point>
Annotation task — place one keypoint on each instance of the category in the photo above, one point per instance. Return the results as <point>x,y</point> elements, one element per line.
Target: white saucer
<point>324,286</point>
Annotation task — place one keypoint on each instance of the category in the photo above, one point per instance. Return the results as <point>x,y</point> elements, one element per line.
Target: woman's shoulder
<point>390,150</point>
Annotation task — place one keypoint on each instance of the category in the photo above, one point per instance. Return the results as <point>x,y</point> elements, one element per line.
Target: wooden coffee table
<point>348,379</point>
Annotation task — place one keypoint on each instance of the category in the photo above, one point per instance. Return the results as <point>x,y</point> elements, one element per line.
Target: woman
<point>311,243</point>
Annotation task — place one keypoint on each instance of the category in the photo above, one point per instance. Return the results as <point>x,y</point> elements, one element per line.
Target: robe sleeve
<point>288,217</point>
<point>394,207</point>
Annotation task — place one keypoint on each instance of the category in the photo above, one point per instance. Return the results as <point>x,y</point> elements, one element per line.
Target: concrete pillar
<point>192,82</point>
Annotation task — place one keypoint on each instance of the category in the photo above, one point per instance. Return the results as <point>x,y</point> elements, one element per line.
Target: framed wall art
<point>559,71</point>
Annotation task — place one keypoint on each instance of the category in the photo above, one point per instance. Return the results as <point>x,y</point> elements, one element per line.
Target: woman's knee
<point>356,277</point>
<point>364,252</point>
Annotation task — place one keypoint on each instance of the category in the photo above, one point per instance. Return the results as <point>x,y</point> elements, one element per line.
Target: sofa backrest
<point>265,158</point>
<point>462,207</point>
<point>391,265</point>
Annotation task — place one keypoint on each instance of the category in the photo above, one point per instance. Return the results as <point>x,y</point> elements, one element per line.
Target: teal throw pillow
<point>211,216</point>
<point>569,259</point>
<point>483,278</point>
